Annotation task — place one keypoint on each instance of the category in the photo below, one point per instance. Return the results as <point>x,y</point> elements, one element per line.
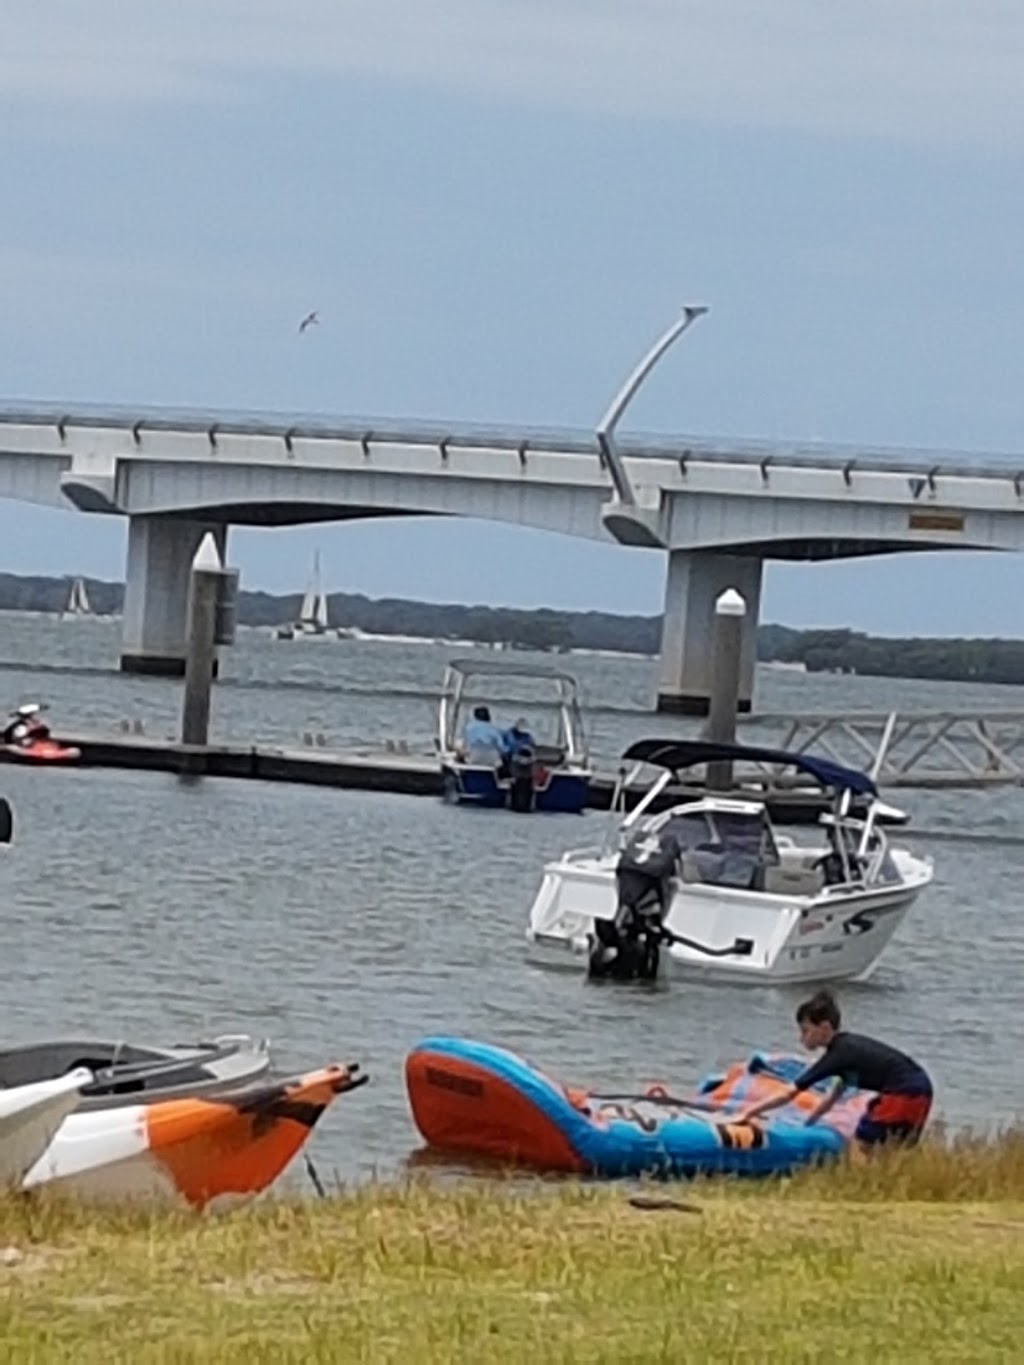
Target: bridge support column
<point>695,580</point>
<point>160,554</point>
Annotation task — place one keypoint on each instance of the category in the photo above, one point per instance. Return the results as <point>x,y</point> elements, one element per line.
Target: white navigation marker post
<point>207,589</point>
<point>726,656</point>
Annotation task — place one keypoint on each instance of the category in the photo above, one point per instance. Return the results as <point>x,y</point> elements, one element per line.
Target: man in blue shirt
<point>483,743</point>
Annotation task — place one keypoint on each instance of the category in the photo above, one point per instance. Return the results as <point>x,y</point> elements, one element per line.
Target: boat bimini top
<point>675,755</point>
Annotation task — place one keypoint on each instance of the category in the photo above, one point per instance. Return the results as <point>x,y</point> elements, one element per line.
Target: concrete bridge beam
<point>160,554</point>
<point>694,582</point>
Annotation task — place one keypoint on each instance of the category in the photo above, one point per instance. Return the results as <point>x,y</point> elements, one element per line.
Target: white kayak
<point>30,1116</point>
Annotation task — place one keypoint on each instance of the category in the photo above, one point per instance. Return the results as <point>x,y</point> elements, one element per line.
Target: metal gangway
<point>924,749</point>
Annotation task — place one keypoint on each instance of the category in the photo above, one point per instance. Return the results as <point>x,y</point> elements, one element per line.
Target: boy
<point>900,1109</point>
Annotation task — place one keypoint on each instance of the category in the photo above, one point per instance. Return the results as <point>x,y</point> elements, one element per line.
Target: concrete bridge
<point>718,509</point>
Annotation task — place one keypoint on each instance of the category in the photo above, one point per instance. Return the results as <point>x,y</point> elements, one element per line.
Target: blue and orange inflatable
<point>470,1097</point>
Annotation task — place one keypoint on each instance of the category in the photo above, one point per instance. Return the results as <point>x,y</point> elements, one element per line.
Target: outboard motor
<point>521,792</point>
<point>628,947</point>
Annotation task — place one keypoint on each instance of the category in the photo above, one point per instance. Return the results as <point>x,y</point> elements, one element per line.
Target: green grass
<point>916,1258</point>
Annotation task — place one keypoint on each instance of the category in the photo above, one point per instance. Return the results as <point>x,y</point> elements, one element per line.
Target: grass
<point>919,1257</point>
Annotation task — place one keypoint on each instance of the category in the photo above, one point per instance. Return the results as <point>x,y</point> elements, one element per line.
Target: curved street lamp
<point>608,423</point>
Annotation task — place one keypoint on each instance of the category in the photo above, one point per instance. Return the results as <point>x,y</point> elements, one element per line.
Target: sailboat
<point>312,620</point>
<point>78,600</point>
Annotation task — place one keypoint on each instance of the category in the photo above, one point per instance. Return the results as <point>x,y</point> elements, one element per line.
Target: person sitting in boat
<point>517,739</point>
<point>483,743</point>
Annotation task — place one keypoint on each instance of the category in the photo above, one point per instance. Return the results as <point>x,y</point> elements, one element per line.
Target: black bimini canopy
<point>676,754</point>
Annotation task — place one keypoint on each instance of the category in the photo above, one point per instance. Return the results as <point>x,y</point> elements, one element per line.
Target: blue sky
<point>496,205</point>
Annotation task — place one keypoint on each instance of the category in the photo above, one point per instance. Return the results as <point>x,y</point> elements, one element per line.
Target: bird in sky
<point>310,320</point>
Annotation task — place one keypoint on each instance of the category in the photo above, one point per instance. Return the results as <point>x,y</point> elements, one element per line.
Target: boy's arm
<point>826,1104</point>
<point>762,1107</point>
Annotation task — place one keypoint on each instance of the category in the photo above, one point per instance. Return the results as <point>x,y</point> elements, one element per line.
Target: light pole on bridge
<point>608,423</point>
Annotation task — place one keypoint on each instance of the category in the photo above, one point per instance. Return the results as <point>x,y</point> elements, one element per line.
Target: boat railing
<point>591,852</point>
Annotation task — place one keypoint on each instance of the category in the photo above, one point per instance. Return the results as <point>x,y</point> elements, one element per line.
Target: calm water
<point>348,925</point>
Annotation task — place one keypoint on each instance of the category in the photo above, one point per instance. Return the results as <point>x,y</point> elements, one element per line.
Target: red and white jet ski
<point>26,739</point>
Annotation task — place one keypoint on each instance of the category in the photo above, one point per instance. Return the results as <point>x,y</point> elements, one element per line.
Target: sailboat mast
<point>321,596</point>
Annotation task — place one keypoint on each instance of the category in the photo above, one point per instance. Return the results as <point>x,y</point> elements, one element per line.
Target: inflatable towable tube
<point>474,1098</point>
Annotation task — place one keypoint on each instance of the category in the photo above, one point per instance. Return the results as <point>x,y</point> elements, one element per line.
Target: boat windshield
<point>723,847</point>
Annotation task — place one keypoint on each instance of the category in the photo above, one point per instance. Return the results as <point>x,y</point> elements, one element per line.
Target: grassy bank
<point>919,1258</point>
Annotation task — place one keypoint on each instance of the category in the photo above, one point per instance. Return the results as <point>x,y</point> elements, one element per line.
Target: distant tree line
<point>845,651</point>
<point>849,651</point>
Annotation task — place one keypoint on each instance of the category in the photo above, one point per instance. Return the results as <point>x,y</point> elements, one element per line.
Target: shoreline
<point>919,1258</point>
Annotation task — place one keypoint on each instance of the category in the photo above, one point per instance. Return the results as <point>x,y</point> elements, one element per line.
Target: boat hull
<point>472,1098</point>
<point>833,937</point>
<point>31,1116</point>
<point>196,1152</point>
<point>43,751</point>
<point>553,792</point>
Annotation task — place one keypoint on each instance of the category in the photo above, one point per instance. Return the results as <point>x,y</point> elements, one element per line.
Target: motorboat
<point>30,1116</point>
<point>744,901</point>
<point>475,1099</point>
<point>26,738</point>
<point>6,822</point>
<point>126,1073</point>
<point>548,773</point>
<point>204,1151</point>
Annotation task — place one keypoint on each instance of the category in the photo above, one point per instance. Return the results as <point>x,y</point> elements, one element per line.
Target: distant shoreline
<point>814,651</point>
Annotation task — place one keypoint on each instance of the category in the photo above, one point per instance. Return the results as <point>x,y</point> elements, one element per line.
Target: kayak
<point>41,751</point>
<point>477,1099</point>
<point>30,1116</point>
<point>200,1152</point>
<point>134,1073</point>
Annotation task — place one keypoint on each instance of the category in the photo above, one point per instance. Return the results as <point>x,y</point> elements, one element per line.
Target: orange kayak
<point>201,1152</point>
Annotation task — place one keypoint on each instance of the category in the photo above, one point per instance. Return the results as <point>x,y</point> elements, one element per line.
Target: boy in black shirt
<point>903,1099</point>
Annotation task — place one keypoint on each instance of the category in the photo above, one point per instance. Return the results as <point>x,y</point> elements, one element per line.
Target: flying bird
<point>310,320</point>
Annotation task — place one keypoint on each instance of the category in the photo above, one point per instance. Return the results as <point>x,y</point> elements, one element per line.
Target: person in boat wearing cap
<point>518,737</point>
<point>903,1089</point>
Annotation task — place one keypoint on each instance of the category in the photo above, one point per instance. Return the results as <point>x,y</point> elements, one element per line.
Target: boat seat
<point>550,755</point>
<point>794,881</point>
<point>720,867</point>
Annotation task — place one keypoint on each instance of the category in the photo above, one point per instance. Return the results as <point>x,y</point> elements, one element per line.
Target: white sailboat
<point>312,622</point>
<point>78,600</point>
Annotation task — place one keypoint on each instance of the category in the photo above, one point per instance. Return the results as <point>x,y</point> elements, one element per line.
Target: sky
<point>496,206</point>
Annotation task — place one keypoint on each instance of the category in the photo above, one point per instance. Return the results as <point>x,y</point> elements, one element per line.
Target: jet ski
<point>26,738</point>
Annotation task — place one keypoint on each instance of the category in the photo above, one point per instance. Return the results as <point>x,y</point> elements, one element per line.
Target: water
<point>347,925</point>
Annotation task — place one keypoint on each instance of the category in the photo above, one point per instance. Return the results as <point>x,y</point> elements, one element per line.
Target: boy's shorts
<point>897,1117</point>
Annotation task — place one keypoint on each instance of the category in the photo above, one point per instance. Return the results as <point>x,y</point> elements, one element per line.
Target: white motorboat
<point>744,902</point>
<point>30,1116</point>
<point>549,774</point>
